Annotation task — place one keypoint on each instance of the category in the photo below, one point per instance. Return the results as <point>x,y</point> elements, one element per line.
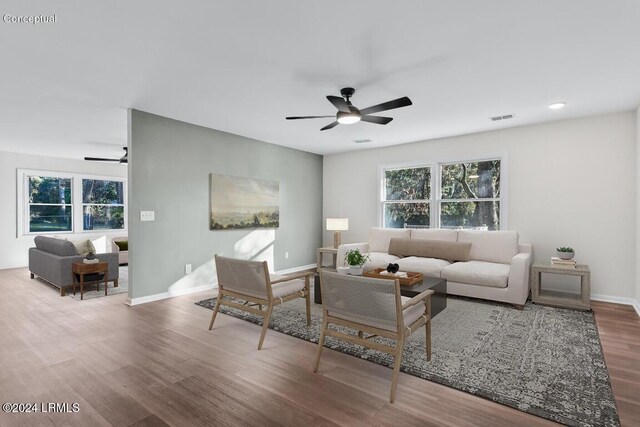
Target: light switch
<point>147,216</point>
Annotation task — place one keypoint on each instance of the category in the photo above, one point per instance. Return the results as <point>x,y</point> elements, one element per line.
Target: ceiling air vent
<point>505,117</point>
<point>361,141</point>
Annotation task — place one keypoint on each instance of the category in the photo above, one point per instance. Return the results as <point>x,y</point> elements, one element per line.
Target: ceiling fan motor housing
<point>347,92</point>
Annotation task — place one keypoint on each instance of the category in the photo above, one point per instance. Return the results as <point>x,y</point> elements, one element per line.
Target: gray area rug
<point>541,360</point>
<point>90,289</point>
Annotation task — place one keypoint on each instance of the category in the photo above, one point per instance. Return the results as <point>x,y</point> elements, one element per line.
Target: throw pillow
<point>83,247</point>
<point>123,245</point>
<point>451,251</point>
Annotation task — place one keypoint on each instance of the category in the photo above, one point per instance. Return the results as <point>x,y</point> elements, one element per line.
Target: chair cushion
<point>412,313</point>
<point>435,234</point>
<point>409,316</point>
<point>123,245</point>
<point>451,251</point>
<point>427,266</point>
<point>281,290</point>
<point>379,260</point>
<point>481,273</point>
<point>379,238</point>
<point>491,246</point>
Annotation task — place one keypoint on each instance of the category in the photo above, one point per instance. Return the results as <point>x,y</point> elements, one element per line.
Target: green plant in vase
<point>356,259</point>
<point>566,252</point>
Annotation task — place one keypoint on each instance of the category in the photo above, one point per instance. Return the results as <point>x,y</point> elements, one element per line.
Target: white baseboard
<point>180,292</point>
<point>169,294</point>
<point>618,300</point>
<point>295,269</point>
<point>636,305</point>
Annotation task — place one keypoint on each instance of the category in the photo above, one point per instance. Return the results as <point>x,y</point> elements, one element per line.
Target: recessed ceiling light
<point>557,105</point>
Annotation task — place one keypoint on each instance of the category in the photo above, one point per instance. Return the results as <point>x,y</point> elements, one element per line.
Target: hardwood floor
<point>156,364</point>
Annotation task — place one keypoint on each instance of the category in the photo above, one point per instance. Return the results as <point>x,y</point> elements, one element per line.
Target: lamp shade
<point>337,224</point>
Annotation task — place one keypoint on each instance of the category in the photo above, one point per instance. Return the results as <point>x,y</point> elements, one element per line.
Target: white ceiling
<point>242,66</point>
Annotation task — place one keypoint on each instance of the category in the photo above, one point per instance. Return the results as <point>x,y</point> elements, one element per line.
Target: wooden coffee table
<point>81,269</point>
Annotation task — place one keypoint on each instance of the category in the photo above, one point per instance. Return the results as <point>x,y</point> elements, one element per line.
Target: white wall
<point>13,247</point>
<point>637,263</point>
<point>570,183</point>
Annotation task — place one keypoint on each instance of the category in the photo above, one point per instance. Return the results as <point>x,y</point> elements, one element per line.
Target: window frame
<point>436,200</point>
<point>77,225</point>
<point>123,204</point>
<point>383,189</point>
<point>28,204</point>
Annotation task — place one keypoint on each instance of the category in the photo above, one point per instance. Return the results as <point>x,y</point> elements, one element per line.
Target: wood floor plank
<point>157,365</point>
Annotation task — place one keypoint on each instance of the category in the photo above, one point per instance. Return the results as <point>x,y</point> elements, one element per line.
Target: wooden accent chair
<point>375,307</point>
<point>250,281</point>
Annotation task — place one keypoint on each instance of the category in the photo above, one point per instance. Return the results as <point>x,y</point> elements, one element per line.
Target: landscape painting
<point>243,203</point>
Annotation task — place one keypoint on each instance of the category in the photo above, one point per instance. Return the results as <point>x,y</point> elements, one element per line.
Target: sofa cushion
<point>379,260</point>
<point>480,273</point>
<point>427,266</point>
<point>55,246</point>
<point>123,245</point>
<point>435,234</point>
<point>83,247</point>
<point>491,246</point>
<point>452,251</point>
<point>379,238</point>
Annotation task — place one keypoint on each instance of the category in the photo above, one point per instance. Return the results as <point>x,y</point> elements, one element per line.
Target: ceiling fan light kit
<point>348,118</point>
<point>349,114</point>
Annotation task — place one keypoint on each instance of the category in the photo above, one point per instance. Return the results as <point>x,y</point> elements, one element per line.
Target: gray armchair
<point>52,259</point>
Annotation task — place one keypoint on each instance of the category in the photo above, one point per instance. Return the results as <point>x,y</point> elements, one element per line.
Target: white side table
<point>581,301</point>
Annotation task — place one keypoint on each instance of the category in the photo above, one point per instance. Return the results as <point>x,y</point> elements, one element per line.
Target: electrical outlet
<point>147,215</point>
<point>187,269</point>
<point>286,255</point>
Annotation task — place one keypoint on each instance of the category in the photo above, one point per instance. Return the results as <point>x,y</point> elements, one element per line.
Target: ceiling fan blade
<point>390,105</point>
<point>339,103</point>
<point>375,119</point>
<point>330,126</point>
<point>100,159</point>
<point>307,117</point>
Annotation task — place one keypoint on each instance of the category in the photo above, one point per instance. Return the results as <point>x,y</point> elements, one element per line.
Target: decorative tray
<point>411,279</point>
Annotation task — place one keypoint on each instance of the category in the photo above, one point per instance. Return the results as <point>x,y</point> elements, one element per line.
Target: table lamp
<point>337,225</point>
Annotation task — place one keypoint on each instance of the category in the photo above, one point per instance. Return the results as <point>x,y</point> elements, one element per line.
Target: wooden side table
<point>580,301</point>
<point>334,256</point>
<point>81,269</point>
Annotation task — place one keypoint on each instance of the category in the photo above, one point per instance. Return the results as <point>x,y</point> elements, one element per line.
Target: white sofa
<point>498,266</point>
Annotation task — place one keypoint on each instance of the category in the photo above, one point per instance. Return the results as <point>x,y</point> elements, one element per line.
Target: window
<point>57,202</point>
<point>49,204</point>
<point>102,205</point>
<point>407,194</point>
<point>470,195</point>
<point>464,194</point>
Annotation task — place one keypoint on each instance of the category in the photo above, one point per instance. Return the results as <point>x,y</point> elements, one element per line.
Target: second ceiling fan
<point>348,113</point>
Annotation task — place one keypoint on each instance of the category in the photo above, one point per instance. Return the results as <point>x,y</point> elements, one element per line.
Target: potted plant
<point>566,252</point>
<point>356,259</point>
